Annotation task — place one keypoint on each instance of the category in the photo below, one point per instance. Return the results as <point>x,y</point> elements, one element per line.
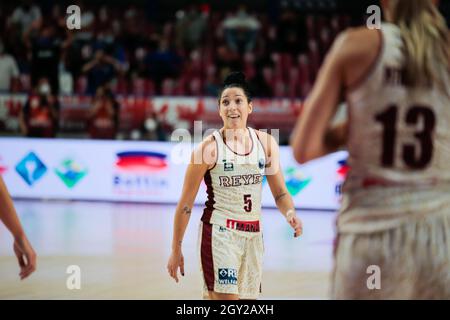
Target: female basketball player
<point>394,222</point>
<point>22,247</point>
<point>232,161</point>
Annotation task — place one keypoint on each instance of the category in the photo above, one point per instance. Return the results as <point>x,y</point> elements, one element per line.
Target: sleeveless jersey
<point>234,186</point>
<point>398,143</point>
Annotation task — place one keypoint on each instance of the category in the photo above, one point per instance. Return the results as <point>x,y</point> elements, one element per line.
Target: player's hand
<point>297,225</point>
<point>176,261</point>
<point>25,255</point>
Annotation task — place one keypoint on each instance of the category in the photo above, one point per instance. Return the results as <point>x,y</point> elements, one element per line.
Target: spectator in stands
<point>241,31</point>
<point>163,63</point>
<point>26,15</point>
<point>291,33</point>
<point>152,128</point>
<point>46,49</point>
<point>87,23</point>
<point>9,72</point>
<point>100,70</point>
<point>104,115</point>
<point>212,85</point>
<point>259,85</point>
<point>39,117</point>
<point>80,50</point>
<point>226,61</point>
<point>190,28</point>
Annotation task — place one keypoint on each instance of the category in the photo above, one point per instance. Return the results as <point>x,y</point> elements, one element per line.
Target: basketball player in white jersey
<point>232,161</point>
<point>394,221</point>
<point>22,247</point>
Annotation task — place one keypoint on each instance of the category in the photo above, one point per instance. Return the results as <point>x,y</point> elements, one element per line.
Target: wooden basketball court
<point>122,250</point>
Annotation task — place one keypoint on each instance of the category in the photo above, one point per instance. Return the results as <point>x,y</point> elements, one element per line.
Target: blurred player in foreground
<point>394,221</point>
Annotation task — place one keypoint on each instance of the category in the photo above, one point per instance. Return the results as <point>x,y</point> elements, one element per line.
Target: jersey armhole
<point>217,153</point>
<point>262,146</point>
<point>371,69</point>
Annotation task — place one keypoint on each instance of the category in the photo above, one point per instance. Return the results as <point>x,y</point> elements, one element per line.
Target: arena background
<point>160,65</point>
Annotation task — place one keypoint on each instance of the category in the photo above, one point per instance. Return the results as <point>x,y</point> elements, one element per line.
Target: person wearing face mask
<point>9,72</point>
<point>232,161</point>
<point>103,117</point>
<point>39,116</point>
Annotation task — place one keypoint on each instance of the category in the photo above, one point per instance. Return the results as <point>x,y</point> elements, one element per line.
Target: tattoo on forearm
<point>187,210</point>
<point>180,243</point>
<point>278,197</point>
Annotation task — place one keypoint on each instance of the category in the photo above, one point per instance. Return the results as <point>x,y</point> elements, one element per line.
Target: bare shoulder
<point>267,140</point>
<point>263,135</point>
<point>209,143</point>
<point>357,43</point>
<point>205,152</point>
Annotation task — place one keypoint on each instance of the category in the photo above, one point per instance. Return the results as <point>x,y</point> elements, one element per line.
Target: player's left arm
<point>277,185</point>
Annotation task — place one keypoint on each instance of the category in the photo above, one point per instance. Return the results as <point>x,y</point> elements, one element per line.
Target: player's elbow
<point>299,151</point>
<point>303,157</point>
<point>299,157</point>
<point>305,154</point>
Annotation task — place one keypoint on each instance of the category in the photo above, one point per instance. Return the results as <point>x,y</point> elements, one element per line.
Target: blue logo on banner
<point>227,276</point>
<point>31,168</point>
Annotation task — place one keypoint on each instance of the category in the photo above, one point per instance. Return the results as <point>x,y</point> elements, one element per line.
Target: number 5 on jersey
<point>248,202</point>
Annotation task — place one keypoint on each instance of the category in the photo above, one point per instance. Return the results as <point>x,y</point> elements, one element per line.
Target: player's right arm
<point>202,159</point>
<point>22,247</point>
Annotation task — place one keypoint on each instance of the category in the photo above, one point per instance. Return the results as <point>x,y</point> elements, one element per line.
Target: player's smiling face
<point>234,108</point>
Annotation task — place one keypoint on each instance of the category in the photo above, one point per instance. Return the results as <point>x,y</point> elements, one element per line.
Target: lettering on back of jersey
<point>394,77</point>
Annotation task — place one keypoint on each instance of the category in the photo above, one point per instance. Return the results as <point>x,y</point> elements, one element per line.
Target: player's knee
<point>222,296</point>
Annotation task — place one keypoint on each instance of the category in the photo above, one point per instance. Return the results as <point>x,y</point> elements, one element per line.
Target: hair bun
<point>235,77</point>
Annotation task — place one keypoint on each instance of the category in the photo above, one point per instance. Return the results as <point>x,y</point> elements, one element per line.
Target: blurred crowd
<point>186,53</point>
<point>132,48</point>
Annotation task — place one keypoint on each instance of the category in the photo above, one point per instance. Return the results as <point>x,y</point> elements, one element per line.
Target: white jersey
<point>234,186</point>
<point>399,146</point>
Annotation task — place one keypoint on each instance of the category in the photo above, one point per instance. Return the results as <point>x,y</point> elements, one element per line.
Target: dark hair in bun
<point>236,79</point>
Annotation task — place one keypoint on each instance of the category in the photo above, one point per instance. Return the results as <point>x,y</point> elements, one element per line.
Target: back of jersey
<point>399,145</point>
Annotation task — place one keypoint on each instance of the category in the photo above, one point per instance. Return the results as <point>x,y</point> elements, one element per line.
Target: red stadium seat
<point>279,88</point>
<point>292,83</point>
<point>249,65</point>
<point>304,75</point>
<point>120,86</point>
<point>195,87</point>
<point>81,85</point>
<point>168,87</point>
<point>286,64</point>
<point>24,83</point>
<point>313,57</point>
<point>268,75</point>
<point>138,86</point>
